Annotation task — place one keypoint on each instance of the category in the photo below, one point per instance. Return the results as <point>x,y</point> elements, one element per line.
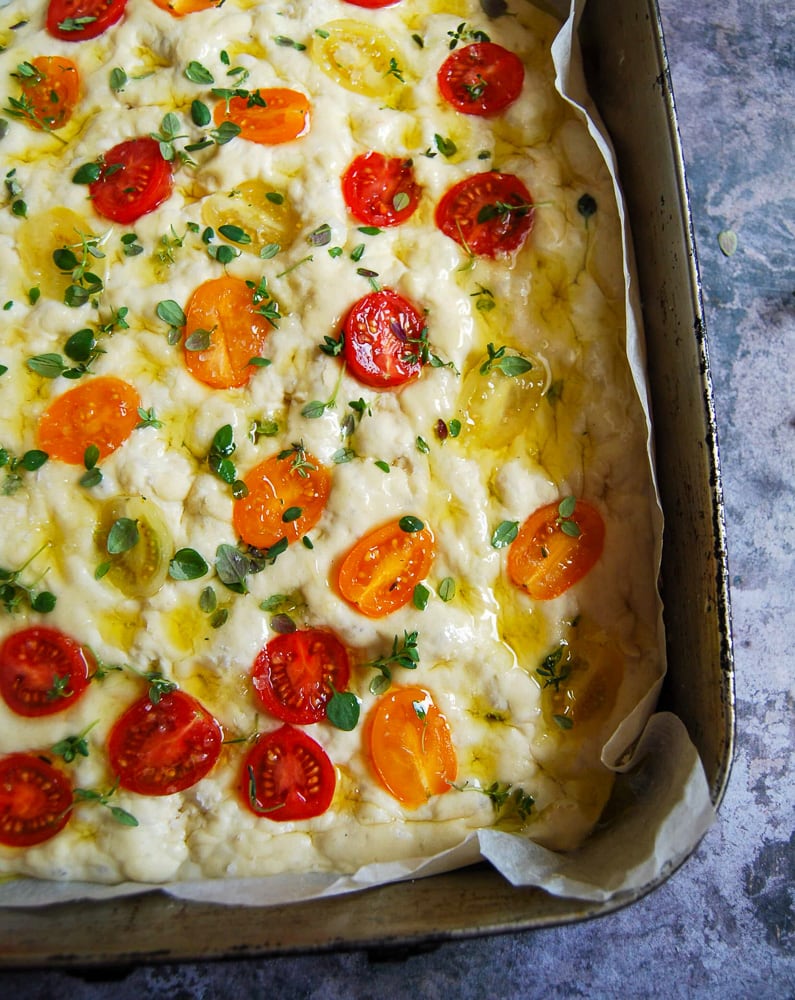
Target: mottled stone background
<point>724,925</point>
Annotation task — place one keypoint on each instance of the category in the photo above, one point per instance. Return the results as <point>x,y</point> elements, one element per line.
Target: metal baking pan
<point>628,77</point>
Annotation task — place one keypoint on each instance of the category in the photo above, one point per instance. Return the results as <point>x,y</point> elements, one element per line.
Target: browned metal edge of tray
<point>628,76</point>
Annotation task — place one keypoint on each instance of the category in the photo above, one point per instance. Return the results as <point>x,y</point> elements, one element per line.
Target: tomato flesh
<point>296,674</point>
<point>380,190</point>
<point>287,776</point>
<point>545,560</point>
<point>42,671</point>
<point>410,746</point>
<point>379,573</point>
<point>133,181</point>
<point>481,79</point>
<point>77,20</point>
<point>159,749</point>
<point>488,214</point>
<point>382,340</point>
<point>372,4</point>
<point>35,800</point>
<point>102,412</point>
<point>277,115</point>
<point>53,93</point>
<point>285,499</point>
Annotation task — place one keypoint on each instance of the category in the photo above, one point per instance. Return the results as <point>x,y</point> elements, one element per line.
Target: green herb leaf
<point>187,564</point>
<point>410,524</point>
<point>504,534</point>
<point>123,536</point>
<point>343,709</point>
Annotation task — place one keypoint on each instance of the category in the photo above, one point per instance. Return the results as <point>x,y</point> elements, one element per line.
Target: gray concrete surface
<point>724,925</point>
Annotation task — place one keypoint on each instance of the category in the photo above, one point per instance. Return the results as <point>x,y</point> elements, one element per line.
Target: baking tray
<point>628,77</point>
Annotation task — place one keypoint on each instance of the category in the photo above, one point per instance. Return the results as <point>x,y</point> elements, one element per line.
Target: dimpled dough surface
<point>570,426</point>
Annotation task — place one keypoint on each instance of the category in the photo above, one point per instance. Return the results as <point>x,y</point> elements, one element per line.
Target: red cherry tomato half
<point>35,800</point>
<point>551,553</point>
<point>134,180</point>
<point>42,671</point>
<point>159,749</point>
<point>287,775</point>
<point>76,20</point>
<point>380,190</point>
<point>488,214</point>
<point>481,79</point>
<point>294,674</point>
<point>382,340</point>
<point>372,4</point>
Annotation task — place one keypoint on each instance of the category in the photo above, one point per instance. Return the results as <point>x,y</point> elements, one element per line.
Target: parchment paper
<point>660,807</point>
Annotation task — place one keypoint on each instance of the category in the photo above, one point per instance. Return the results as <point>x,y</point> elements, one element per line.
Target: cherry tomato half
<point>372,4</point>
<point>53,92</point>
<point>481,79</point>
<point>286,498</point>
<point>159,749</point>
<point>379,573</point>
<point>102,412</point>
<point>488,214</point>
<point>287,775</point>
<point>179,8</point>
<point>35,800</point>
<point>383,332</point>
<point>294,674</point>
<point>42,671</point>
<point>380,190</point>
<point>223,308</point>
<point>410,746</point>
<point>546,558</point>
<point>269,116</point>
<point>134,180</point>
<point>77,20</point>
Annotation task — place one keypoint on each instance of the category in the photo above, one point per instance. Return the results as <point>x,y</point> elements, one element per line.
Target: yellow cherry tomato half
<point>554,549</point>
<point>102,412</point>
<point>51,92</point>
<point>410,746</point>
<point>269,116</point>
<point>287,494</point>
<point>224,332</point>
<point>360,58</point>
<point>378,575</point>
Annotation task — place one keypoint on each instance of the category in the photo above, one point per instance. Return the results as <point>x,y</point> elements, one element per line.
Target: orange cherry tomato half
<point>383,331</point>
<point>268,116</point>
<point>380,190</point>
<point>134,179</point>
<point>378,575</point>
<point>102,412</point>
<point>52,93</point>
<point>223,319</point>
<point>481,79</point>
<point>179,8</point>
<point>159,749</point>
<point>488,214</point>
<point>287,775</point>
<point>296,674</point>
<point>410,746</point>
<point>547,557</point>
<point>42,671</point>
<point>287,494</point>
<point>35,800</point>
<point>77,20</point>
